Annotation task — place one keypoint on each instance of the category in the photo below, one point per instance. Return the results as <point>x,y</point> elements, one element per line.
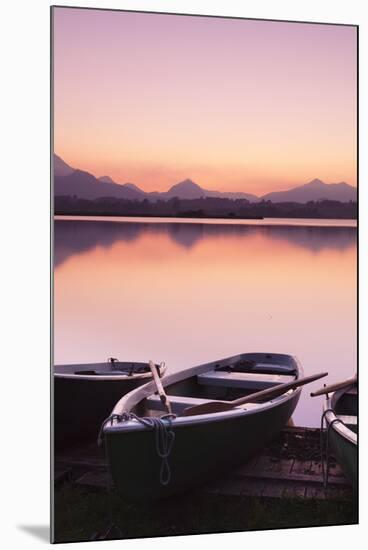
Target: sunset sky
<point>235,105</point>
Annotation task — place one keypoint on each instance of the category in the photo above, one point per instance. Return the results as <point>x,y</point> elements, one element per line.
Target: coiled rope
<point>325,453</point>
<point>164,437</point>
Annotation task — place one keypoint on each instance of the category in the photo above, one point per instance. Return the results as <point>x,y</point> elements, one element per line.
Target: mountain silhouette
<point>72,182</point>
<point>134,188</point>
<point>61,168</point>
<point>315,190</point>
<point>232,195</point>
<point>86,186</point>
<point>186,189</point>
<point>106,179</point>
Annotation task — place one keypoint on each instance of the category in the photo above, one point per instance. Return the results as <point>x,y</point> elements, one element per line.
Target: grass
<point>80,514</point>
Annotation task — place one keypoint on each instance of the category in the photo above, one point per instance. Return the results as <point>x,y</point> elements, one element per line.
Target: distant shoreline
<point>210,208</point>
<point>193,216</point>
<point>184,215</point>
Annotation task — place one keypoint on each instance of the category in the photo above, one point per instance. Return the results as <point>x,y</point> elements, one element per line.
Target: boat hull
<point>80,406</point>
<point>346,454</point>
<point>342,436</point>
<point>83,401</point>
<point>200,451</point>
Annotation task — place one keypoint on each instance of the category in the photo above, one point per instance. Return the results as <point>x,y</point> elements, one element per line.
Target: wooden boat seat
<point>347,419</point>
<point>181,402</point>
<point>244,380</point>
<point>266,368</point>
<point>178,402</point>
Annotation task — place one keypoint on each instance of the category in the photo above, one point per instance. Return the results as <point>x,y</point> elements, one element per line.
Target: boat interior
<point>112,368</point>
<point>346,408</point>
<point>223,382</point>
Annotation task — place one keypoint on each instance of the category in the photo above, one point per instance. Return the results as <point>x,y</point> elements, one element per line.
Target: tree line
<point>212,207</point>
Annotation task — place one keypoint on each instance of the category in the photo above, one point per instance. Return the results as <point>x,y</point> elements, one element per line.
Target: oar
<point>221,406</point>
<point>337,386</point>
<point>159,386</point>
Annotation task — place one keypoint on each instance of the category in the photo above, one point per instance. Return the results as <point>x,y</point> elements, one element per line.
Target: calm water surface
<point>187,292</point>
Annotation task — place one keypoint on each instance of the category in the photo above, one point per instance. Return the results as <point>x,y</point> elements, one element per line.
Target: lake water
<point>188,291</point>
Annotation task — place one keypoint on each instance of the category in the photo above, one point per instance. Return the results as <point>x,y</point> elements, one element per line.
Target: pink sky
<point>234,105</point>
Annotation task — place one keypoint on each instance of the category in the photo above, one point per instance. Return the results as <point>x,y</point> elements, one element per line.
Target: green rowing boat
<point>153,454</point>
<point>340,413</point>
<point>84,395</point>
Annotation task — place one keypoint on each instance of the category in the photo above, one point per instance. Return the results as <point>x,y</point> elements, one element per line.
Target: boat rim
<point>128,401</point>
<point>339,427</point>
<point>106,377</point>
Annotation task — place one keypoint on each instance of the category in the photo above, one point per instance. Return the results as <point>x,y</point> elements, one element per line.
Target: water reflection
<point>74,236</point>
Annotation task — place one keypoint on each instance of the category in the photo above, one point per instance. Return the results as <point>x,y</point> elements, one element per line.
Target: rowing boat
<point>84,394</point>
<point>152,454</point>
<point>340,413</point>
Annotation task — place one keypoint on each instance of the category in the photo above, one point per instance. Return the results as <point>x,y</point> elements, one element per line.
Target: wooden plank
<point>263,466</point>
<point>282,467</point>
<point>304,478</point>
<point>248,467</point>
<point>84,463</point>
<point>316,492</point>
<point>253,488</point>
<point>302,467</point>
<point>277,489</point>
<point>335,471</point>
<point>61,474</point>
<point>234,487</point>
<point>332,492</point>
<point>289,466</point>
<point>316,469</point>
<point>274,489</point>
<point>266,466</point>
<point>291,477</point>
<point>94,480</point>
<point>335,476</point>
<point>91,454</point>
<point>296,490</point>
<point>345,493</point>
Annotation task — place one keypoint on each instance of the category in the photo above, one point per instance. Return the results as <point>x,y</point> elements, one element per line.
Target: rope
<point>326,456</point>
<point>164,437</point>
<point>164,440</point>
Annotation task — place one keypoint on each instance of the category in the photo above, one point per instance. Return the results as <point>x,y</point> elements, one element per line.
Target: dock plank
<point>61,474</point>
<point>316,469</point>
<point>281,489</point>
<point>231,486</point>
<point>289,466</point>
<point>95,480</point>
<point>334,470</point>
<point>294,490</point>
<point>302,467</point>
<point>249,465</point>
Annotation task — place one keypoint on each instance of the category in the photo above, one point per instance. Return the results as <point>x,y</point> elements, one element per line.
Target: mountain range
<point>75,182</point>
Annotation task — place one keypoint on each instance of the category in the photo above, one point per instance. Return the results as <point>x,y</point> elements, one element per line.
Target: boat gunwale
<point>105,377</point>
<point>131,399</point>
<point>339,427</point>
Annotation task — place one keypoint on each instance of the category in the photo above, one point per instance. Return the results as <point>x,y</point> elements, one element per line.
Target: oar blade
<point>257,397</point>
<point>208,408</point>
